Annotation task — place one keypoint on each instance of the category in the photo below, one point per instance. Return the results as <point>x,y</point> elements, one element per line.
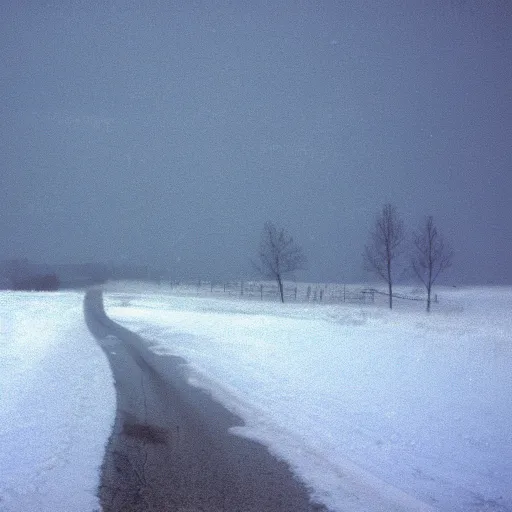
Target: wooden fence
<point>404,296</point>
<point>267,290</point>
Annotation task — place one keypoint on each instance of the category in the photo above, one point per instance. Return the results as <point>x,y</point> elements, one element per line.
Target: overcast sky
<point>168,132</point>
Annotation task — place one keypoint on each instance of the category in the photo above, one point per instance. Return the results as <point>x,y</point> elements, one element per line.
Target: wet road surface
<point>170,449</point>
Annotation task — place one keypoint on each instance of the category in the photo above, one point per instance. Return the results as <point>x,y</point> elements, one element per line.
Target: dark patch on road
<point>171,449</point>
<point>148,433</point>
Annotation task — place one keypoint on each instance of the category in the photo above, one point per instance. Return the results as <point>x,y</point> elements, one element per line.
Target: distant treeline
<point>45,283</point>
<point>22,274</point>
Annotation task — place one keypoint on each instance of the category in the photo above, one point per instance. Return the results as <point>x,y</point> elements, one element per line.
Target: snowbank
<point>370,406</point>
<point>57,404</point>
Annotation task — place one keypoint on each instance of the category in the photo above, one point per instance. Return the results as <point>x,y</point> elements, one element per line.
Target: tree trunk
<point>390,285</point>
<point>280,283</point>
<point>429,284</point>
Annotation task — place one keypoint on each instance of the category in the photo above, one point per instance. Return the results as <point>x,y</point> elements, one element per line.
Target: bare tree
<point>431,256</point>
<point>279,255</point>
<point>387,238</point>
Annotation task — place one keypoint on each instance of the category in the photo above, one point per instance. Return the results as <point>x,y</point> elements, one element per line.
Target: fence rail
<point>265,290</point>
<point>403,296</point>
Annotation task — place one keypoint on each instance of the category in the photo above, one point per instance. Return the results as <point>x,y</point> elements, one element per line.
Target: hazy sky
<point>167,132</point>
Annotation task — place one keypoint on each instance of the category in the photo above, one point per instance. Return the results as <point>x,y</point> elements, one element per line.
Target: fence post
<point>241,288</point>
<point>321,294</point>
<point>344,293</point>
<point>261,291</point>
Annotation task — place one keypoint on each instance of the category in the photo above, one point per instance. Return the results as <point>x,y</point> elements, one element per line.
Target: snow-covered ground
<point>369,406</point>
<point>57,404</point>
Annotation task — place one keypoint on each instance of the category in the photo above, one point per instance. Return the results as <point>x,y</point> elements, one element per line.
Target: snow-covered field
<point>57,404</point>
<point>369,406</point>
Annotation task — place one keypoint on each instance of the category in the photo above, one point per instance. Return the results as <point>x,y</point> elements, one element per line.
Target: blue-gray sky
<point>168,132</point>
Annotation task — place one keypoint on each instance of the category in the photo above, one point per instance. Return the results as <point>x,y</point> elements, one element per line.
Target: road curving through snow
<point>170,448</point>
